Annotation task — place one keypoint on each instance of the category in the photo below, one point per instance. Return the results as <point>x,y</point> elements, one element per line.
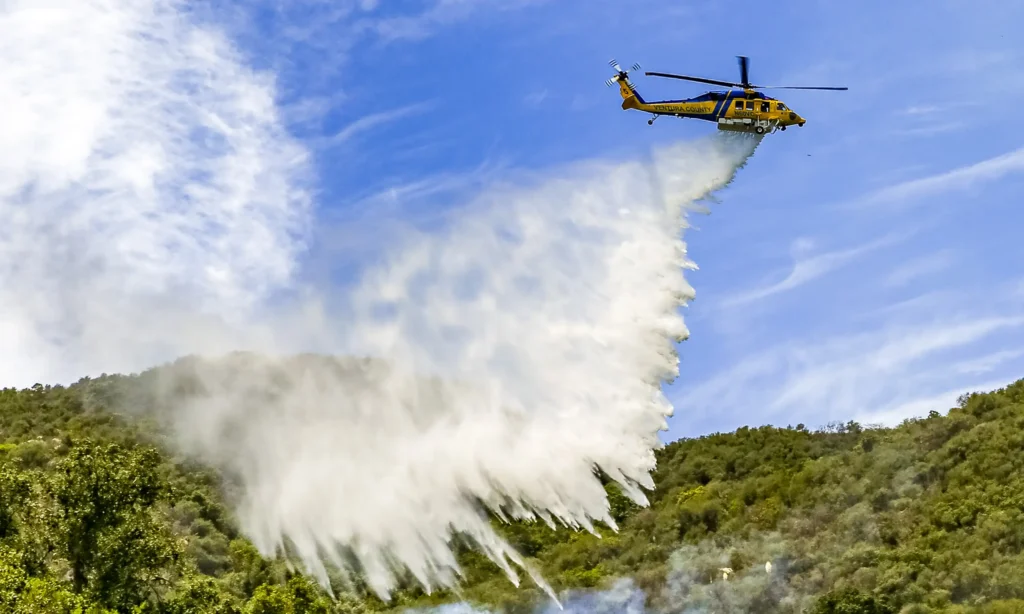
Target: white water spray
<point>546,315</point>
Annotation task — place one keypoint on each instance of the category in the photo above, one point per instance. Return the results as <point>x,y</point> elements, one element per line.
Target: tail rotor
<point>621,75</point>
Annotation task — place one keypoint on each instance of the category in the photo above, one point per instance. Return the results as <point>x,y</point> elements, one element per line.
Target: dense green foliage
<point>926,517</point>
<point>97,516</point>
<point>94,520</point>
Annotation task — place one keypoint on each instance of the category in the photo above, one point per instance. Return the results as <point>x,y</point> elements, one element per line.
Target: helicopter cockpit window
<point>781,107</point>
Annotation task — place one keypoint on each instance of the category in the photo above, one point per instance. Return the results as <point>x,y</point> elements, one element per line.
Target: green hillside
<point>928,517</point>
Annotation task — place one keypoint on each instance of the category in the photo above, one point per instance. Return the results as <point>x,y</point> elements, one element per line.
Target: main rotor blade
<point>697,79</point>
<point>744,77</point>
<point>796,87</point>
<point>745,84</point>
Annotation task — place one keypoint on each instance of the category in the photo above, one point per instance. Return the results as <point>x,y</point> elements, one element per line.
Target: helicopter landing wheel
<point>759,130</point>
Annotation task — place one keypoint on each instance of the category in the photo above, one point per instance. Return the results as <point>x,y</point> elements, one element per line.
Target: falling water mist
<point>497,361</point>
<point>501,361</point>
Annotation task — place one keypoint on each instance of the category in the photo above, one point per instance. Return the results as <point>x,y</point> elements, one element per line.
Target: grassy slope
<point>924,517</point>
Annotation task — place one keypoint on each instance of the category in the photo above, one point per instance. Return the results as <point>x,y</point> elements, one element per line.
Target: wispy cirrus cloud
<point>438,14</point>
<point>986,363</point>
<point>918,359</point>
<point>922,406</point>
<point>930,128</point>
<point>912,192</point>
<point>309,44</point>
<point>921,266</point>
<point>808,267</point>
<point>145,142</point>
<point>371,121</point>
<point>915,110</point>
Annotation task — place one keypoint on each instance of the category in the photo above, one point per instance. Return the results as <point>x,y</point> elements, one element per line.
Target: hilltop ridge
<point>923,517</point>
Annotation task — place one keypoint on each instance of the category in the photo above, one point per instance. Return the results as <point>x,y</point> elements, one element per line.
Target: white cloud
<point>368,122</point>
<point>920,267</point>
<point>986,363</point>
<point>439,14</point>
<point>143,168</point>
<point>311,43</point>
<point>807,268</point>
<point>963,178</point>
<point>889,371</point>
<point>310,111</point>
<point>921,110</point>
<point>930,129</point>
<point>922,406</point>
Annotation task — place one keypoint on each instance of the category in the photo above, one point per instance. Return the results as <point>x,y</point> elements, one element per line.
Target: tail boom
<point>631,99</point>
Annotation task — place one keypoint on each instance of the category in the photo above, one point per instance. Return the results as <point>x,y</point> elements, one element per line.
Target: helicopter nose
<point>796,119</point>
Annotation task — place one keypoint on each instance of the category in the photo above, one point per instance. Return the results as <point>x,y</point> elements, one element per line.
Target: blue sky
<point>866,266</point>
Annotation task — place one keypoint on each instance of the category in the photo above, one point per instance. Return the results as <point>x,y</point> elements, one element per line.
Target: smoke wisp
<point>742,576</point>
<point>156,204</point>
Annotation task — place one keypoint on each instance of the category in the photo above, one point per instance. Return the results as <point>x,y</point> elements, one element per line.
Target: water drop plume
<point>501,361</point>
<point>155,204</point>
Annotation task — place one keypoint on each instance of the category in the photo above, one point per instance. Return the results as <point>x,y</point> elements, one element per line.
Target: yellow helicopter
<point>745,110</point>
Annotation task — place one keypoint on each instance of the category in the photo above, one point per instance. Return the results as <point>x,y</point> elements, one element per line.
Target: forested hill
<point>926,517</point>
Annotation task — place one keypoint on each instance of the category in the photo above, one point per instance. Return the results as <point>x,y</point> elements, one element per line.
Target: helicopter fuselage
<point>734,110</point>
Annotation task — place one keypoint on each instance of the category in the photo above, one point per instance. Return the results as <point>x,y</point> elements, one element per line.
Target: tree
<point>298,596</point>
<point>14,490</point>
<point>850,601</point>
<point>193,595</point>
<point>102,522</point>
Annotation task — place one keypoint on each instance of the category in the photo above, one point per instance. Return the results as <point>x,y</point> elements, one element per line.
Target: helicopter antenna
<point>622,75</point>
<point>744,80</point>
